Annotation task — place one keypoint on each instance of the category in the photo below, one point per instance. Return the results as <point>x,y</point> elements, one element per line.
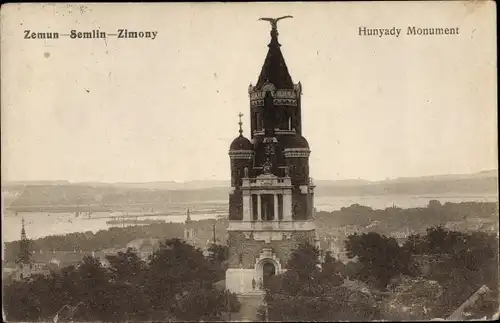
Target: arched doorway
<point>268,271</point>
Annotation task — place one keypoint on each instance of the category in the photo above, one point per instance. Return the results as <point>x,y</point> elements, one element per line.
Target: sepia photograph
<point>249,162</point>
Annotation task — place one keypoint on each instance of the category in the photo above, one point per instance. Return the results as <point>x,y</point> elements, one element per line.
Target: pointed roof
<point>274,69</point>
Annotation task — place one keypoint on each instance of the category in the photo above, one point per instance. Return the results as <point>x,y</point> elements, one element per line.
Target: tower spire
<point>24,252</point>
<point>274,69</point>
<point>23,231</point>
<point>240,123</point>
<point>188,216</point>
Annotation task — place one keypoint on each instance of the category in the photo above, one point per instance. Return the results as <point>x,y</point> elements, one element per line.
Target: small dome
<point>241,143</point>
<point>297,141</point>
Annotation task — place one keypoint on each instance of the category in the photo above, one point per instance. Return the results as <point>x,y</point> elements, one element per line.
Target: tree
<point>380,257</point>
<point>303,274</point>
<point>217,257</point>
<point>413,299</point>
<point>305,292</point>
<point>180,277</point>
<point>199,305</point>
<point>462,263</point>
<point>176,284</point>
<point>127,267</point>
<point>332,270</point>
<point>304,261</point>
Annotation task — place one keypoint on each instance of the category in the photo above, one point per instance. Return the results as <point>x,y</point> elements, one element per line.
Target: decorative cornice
<point>296,152</point>
<point>285,132</point>
<point>286,97</point>
<point>277,131</point>
<point>240,154</point>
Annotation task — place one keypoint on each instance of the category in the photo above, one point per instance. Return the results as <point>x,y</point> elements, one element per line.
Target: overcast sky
<point>166,109</point>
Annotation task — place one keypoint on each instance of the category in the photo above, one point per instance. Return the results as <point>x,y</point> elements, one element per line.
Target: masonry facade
<point>271,203</point>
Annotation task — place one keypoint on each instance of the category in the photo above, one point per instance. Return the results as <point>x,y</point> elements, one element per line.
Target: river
<point>40,224</point>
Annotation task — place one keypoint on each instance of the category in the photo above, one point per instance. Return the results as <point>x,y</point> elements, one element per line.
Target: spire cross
<point>240,123</point>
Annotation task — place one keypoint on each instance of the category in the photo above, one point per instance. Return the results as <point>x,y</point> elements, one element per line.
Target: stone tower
<point>271,200</point>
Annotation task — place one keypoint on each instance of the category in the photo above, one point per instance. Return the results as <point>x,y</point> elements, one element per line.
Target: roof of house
<point>460,313</point>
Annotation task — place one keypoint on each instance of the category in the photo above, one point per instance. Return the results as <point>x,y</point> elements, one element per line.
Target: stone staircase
<point>250,303</point>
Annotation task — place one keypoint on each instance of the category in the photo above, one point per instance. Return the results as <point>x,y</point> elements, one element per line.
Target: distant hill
<point>485,182</point>
<point>44,193</point>
<point>172,185</point>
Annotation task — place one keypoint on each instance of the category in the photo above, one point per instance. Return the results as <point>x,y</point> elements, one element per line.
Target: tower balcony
<point>267,181</point>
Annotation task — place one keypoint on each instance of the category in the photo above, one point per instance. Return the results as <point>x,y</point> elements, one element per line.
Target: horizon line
<point>228,179</point>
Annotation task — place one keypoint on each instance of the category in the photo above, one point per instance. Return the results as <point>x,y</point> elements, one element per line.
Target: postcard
<point>319,161</point>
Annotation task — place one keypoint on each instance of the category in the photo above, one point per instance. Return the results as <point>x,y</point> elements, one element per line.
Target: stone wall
<point>236,205</point>
<point>249,249</point>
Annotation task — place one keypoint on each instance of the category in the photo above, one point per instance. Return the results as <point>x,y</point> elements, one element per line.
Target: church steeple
<point>274,69</point>
<point>188,216</point>
<point>275,102</point>
<point>24,255</point>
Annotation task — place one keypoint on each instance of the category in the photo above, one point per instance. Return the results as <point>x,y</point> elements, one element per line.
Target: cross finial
<point>240,123</point>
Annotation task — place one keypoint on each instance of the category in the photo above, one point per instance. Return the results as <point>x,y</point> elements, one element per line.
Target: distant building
<point>340,254</point>
<point>25,265</point>
<point>402,235</point>
<point>144,247</point>
<point>66,258</point>
<point>189,230</point>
